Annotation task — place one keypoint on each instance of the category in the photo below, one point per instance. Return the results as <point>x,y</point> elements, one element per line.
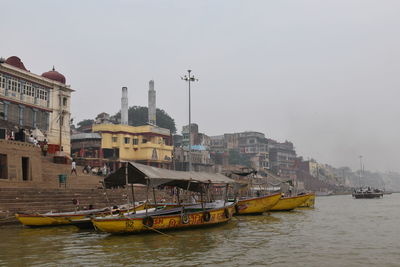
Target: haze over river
<point>340,231</point>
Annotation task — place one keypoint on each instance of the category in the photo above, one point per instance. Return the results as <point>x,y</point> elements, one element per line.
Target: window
<point>42,119</point>
<point>2,81</point>
<point>135,141</point>
<point>127,140</point>
<point>27,89</point>
<point>13,85</point>
<point>13,113</point>
<point>114,139</point>
<point>41,94</point>
<point>2,110</point>
<point>144,141</point>
<point>28,116</point>
<point>64,101</point>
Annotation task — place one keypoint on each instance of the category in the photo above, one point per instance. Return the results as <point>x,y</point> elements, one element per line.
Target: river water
<point>340,231</point>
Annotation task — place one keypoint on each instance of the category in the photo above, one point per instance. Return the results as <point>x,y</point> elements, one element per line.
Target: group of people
<point>27,135</point>
<point>105,170</point>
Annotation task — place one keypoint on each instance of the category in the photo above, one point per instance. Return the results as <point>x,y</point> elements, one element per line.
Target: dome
<point>54,75</point>
<point>16,62</point>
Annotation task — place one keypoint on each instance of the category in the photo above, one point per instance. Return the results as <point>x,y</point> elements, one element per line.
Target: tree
<point>237,158</point>
<point>84,123</point>
<point>139,116</point>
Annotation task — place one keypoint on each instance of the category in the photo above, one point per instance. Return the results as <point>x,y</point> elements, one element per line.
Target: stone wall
<point>14,151</point>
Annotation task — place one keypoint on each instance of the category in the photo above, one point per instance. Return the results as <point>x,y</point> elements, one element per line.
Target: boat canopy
<point>152,176</point>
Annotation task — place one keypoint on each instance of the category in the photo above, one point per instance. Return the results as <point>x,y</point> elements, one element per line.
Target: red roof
<point>16,62</point>
<point>54,75</point>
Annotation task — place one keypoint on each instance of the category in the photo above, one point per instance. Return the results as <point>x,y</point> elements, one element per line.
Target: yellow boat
<point>290,203</point>
<point>169,219</point>
<point>257,205</point>
<point>63,218</point>
<point>310,202</point>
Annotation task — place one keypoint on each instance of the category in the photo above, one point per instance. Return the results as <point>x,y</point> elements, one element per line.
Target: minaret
<point>152,103</point>
<point>124,106</point>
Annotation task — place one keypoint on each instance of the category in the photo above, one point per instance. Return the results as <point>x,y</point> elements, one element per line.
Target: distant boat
<point>367,192</point>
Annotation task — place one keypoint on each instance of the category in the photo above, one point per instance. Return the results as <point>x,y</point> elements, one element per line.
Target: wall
<point>15,151</point>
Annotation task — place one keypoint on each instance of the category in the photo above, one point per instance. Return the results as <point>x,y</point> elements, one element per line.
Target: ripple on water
<point>340,231</point>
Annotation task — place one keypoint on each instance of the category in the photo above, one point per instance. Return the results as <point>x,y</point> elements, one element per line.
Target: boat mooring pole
<point>226,193</point>
<point>201,196</point>
<point>133,198</point>
<point>147,193</point>
<point>126,182</point>
<point>154,196</point>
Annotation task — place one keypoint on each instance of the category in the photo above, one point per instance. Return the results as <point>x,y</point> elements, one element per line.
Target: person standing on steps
<point>73,167</point>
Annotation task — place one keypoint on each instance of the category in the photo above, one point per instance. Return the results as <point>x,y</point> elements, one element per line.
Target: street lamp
<point>361,167</point>
<point>189,78</point>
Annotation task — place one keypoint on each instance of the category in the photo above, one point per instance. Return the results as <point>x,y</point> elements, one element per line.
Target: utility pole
<point>359,181</point>
<point>189,78</point>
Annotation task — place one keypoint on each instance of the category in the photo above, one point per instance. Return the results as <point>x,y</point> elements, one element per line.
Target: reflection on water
<point>340,231</point>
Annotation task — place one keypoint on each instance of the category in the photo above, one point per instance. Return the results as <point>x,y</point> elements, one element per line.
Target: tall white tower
<point>152,103</point>
<point>124,106</point>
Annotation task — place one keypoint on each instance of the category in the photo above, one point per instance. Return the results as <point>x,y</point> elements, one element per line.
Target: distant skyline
<point>322,74</point>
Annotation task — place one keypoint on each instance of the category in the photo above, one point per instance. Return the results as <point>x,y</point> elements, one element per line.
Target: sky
<point>322,74</point>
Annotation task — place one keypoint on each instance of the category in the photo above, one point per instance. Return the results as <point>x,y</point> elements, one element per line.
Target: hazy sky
<point>323,74</point>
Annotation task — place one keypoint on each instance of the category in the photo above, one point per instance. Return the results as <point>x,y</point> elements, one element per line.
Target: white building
<point>32,101</point>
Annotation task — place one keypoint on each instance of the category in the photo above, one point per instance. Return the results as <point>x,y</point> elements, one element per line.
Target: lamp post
<point>189,78</point>
<point>361,167</point>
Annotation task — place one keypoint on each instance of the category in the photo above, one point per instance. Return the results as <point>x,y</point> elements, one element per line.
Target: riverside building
<point>146,144</point>
<point>33,101</point>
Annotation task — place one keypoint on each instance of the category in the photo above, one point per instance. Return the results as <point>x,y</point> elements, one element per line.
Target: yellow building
<point>146,144</point>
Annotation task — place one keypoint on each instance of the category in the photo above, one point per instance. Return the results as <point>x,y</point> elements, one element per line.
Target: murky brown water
<point>340,231</point>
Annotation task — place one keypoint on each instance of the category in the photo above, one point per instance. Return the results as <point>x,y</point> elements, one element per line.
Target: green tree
<point>139,116</point>
<point>82,124</point>
<point>237,158</point>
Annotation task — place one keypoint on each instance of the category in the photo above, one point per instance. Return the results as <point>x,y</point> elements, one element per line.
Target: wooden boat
<point>170,219</point>
<point>310,202</point>
<point>290,203</point>
<point>63,218</point>
<point>86,222</point>
<point>204,214</point>
<point>257,205</point>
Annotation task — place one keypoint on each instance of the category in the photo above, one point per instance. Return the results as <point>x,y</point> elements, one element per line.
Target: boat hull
<point>310,202</point>
<point>164,222</point>
<point>367,195</point>
<point>62,218</point>
<point>46,220</point>
<point>257,205</point>
<point>290,203</point>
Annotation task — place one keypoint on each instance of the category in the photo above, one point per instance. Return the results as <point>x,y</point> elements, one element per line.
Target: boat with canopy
<point>205,213</point>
